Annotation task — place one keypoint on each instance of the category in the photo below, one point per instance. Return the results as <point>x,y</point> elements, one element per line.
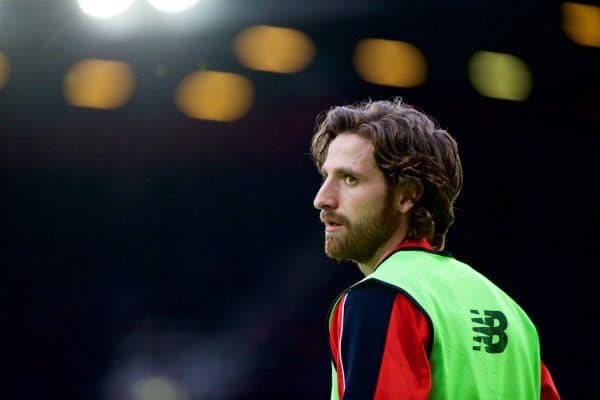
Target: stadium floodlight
<point>172,6</point>
<point>390,63</point>
<point>500,76</point>
<point>104,8</point>
<point>215,95</point>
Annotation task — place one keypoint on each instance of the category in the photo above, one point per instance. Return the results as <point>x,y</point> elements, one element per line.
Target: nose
<point>326,197</point>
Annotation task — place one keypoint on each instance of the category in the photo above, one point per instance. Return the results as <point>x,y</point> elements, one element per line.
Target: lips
<point>332,227</point>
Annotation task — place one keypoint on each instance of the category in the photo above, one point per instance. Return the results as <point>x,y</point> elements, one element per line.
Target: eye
<point>350,180</point>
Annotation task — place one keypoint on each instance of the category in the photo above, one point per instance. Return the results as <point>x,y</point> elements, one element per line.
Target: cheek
<point>366,206</point>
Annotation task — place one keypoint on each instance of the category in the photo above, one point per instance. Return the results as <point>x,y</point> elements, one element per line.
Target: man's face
<point>355,201</point>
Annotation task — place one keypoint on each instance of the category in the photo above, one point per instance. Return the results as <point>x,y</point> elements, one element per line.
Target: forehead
<point>349,150</point>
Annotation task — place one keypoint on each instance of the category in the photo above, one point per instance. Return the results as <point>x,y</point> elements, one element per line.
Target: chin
<point>331,253</point>
<point>335,252</point>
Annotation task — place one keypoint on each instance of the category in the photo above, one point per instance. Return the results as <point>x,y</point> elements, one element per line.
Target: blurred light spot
<point>581,23</point>
<point>499,75</point>
<point>212,95</point>
<point>274,49</point>
<point>158,388</point>
<point>4,70</point>
<point>99,84</point>
<point>172,6</point>
<point>390,63</point>
<point>104,8</point>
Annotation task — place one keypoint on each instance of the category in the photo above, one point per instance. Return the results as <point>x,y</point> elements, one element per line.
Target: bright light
<point>390,63</point>
<point>4,70</point>
<point>104,8</point>
<point>216,96</point>
<point>500,76</point>
<point>99,84</point>
<point>581,23</point>
<point>172,6</point>
<point>274,49</point>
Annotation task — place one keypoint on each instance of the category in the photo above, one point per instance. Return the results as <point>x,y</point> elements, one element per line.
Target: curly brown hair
<point>410,150</point>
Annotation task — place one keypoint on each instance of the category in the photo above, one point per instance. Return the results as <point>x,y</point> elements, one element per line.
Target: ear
<point>407,194</point>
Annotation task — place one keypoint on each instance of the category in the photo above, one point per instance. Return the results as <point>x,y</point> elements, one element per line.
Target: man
<point>420,325</point>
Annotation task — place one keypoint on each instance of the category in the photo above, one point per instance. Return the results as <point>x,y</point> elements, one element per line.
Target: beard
<point>359,241</point>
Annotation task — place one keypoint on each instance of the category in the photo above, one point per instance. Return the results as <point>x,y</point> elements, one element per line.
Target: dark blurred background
<point>159,239</point>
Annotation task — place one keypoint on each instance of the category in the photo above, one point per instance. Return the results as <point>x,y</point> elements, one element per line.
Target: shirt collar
<point>422,244</point>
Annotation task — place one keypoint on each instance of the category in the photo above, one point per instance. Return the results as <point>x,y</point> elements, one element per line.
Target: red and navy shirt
<point>379,343</point>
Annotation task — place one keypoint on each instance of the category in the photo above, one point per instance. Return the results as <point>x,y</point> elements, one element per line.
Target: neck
<point>367,267</point>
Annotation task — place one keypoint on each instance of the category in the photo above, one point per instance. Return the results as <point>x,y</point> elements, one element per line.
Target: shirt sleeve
<point>549,391</point>
<point>379,343</point>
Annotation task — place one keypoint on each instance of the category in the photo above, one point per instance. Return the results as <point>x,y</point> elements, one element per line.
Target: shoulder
<point>369,293</point>
<point>372,299</point>
<point>373,309</point>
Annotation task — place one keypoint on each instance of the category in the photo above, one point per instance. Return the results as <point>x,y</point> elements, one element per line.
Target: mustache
<point>330,217</point>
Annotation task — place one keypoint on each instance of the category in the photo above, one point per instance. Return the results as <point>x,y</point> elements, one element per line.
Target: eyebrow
<point>342,171</point>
